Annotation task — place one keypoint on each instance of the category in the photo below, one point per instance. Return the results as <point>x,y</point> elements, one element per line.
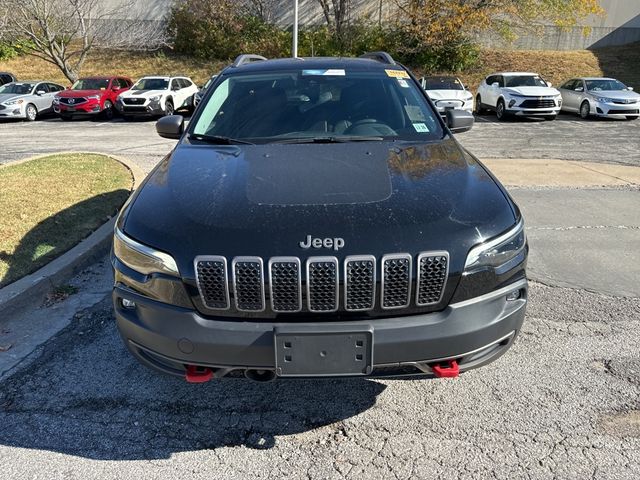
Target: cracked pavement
<point>563,403</point>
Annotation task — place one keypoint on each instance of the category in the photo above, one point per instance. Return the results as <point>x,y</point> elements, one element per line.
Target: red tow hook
<point>449,370</point>
<point>196,374</point>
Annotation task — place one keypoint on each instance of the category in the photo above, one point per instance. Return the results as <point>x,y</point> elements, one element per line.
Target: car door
<point>493,92</point>
<point>570,98</point>
<point>42,101</point>
<point>54,88</point>
<point>175,93</point>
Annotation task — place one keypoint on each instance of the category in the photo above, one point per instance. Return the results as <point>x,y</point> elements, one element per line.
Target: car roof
<point>314,63</point>
<point>513,74</point>
<point>594,78</point>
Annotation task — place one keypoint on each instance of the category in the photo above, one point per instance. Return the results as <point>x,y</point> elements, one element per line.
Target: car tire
<point>168,108</point>
<point>478,106</point>
<point>585,110</point>
<point>501,111</point>
<point>31,112</point>
<point>550,118</point>
<point>66,117</point>
<point>107,110</point>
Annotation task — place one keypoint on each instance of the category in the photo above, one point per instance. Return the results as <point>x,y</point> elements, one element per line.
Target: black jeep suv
<point>318,218</point>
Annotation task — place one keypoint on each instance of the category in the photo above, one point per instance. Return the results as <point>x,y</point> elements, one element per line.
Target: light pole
<point>294,50</point>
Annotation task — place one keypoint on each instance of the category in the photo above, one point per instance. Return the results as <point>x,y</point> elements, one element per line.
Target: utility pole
<point>294,50</point>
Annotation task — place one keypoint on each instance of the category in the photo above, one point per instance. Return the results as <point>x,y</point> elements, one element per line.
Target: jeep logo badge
<point>335,243</point>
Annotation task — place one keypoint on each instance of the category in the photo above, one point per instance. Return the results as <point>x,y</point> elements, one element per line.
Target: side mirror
<point>549,84</point>
<point>579,89</point>
<point>115,89</point>
<point>40,92</point>
<point>171,126</point>
<point>630,89</point>
<point>459,120</point>
<point>495,85</point>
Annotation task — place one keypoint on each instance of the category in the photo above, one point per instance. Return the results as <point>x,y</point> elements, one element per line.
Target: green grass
<point>48,205</point>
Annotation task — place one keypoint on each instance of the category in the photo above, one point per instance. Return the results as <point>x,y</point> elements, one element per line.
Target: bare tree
<point>263,9</point>
<point>63,32</point>
<point>336,13</point>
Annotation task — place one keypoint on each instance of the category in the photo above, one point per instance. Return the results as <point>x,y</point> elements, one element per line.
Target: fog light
<point>128,304</point>
<point>512,296</point>
<point>512,103</point>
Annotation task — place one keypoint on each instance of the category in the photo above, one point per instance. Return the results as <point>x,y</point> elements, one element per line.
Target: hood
<point>5,97</point>
<point>617,94</point>
<point>449,94</point>
<point>264,200</point>
<point>80,93</point>
<point>533,91</point>
<point>143,93</point>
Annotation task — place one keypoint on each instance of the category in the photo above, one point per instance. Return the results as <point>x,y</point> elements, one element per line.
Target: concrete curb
<point>32,289</point>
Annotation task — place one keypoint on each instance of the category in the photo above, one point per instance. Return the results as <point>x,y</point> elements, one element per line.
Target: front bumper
<point>146,109</point>
<point>473,332</point>
<point>602,109</point>
<point>12,111</point>
<point>87,108</point>
<point>533,112</point>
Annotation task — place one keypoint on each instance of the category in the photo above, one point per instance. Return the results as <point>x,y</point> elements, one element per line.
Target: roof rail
<point>383,57</point>
<point>247,58</point>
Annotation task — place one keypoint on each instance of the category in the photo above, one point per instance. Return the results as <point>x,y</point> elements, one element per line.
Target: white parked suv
<point>518,93</point>
<point>447,93</point>
<point>156,96</point>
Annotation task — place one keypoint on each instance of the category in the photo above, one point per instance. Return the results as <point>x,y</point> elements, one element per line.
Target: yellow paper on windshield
<point>397,73</point>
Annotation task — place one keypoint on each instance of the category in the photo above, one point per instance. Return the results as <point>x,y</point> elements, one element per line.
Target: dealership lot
<point>563,403</point>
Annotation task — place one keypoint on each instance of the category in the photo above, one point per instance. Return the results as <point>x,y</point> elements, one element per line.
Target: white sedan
<point>600,97</point>
<point>448,93</point>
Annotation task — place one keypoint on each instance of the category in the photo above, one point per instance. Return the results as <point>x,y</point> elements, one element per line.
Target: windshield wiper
<point>340,139</point>
<point>218,140</point>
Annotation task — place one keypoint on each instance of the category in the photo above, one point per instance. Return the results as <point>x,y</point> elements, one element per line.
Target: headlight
<point>469,98</point>
<point>155,98</point>
<point>19,101</point>
<point>498,251</point>
<point>516,95</point>
<point>93,97</point>
<point>603,99</point>
<point>56,100</point>
<point>141,258</point>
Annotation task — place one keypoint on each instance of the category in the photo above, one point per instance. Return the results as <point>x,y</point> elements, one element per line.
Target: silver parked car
<point>601,97</point>
<point>27,99</point>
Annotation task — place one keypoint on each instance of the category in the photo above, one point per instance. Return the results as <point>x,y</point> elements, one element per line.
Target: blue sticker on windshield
<point>421,127</point>
<point>335,72</point>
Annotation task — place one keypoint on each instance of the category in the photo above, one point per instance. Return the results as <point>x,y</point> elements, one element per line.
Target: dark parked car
<point>6,77</point>
<point>318,218</point>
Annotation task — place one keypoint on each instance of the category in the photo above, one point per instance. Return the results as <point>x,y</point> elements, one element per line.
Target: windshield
<point>442,83</point>
<point>524,81</point>
<point>151,84</point>
<point>605,85</point>
<point>17,88</point>
<point>321,104</point>
<point>91,84</point>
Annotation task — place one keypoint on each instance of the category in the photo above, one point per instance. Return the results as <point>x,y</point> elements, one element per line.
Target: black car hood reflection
<point>263,200</point>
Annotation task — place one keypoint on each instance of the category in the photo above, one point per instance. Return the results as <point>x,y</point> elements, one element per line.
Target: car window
<point>91,84</point>
<point>570,85</point>
<point>524,81</point>
<point>17,88</point>
<point>55,88</point>
<point>151,84</point>
<point>174,84</point>
<point>272,107</point>
<point>42,87</point>
<point>605,85</point>
<point>186,83</point>
<point>443,83</point>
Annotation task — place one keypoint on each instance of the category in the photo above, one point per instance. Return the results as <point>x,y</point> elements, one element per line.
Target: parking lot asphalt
<point>563,403</point>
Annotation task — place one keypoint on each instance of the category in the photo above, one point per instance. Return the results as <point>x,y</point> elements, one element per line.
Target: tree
<point>63,32</point>
<point>263,9</point>
<point>336,14</point>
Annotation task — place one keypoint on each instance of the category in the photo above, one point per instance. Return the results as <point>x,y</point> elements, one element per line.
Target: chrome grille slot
<point>285,284</point>
<point>248,284</point>
<point>396,280</point>
<point>359,282</point>
<point>433,268</point>
<point>211,277</point>
<point>322,284</point>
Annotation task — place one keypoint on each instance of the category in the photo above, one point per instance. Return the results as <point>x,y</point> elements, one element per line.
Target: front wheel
<point>31,112</point>
<point>107,111</point>
<point>501,111</point>
<point>478,106</point>
<point>585,110</point>
<point>168,108</point>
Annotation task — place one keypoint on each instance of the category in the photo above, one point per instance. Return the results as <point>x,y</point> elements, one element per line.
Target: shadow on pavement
<point>87,396</point>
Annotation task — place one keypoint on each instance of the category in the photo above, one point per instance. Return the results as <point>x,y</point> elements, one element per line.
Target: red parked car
<point>91,96</point>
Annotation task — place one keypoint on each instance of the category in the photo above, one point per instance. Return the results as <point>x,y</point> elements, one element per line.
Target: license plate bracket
<point>316,354</point>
